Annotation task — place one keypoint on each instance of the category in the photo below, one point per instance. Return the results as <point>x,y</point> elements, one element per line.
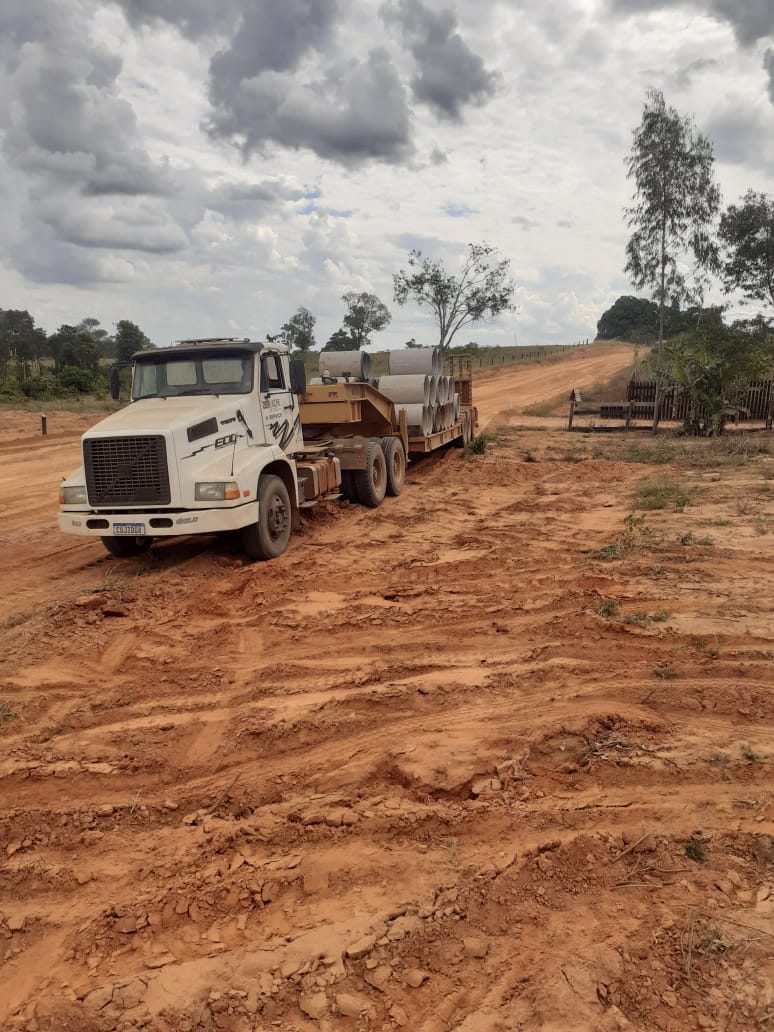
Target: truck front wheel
<point>126,547</point>
<point>371,482</point>
<point>268,537</point>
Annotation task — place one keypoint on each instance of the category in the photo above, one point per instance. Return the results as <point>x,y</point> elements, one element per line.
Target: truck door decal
<point>283,432</point>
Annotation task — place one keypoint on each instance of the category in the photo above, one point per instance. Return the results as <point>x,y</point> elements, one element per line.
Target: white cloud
<point>109,175</point>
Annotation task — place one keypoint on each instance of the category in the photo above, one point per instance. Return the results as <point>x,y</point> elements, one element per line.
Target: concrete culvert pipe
<point>413,389</point>
<point>415,360</point>
<point>354,364</point>
<point>419,419</point>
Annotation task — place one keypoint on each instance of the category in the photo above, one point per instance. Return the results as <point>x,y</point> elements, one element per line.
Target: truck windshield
<point>186,375</point>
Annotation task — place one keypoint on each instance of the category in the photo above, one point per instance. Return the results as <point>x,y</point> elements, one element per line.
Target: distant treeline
<point>73,360</point>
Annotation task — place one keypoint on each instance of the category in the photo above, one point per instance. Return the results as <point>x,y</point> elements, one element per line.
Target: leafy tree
<point>75,380</point>
<point>411,343</point>
<point>298,332</point>
<point>482,290</point>
<point>629,318</point>
<point>341,341</point>
<point>636,319</point>
<point>676,201</point>
<point>129,338</point>
<point>71,346</point>
<point>366,314</point>
<point>100,335</point>
<point>20,340</point>
<point>715,366</point>
<point>747,231</point>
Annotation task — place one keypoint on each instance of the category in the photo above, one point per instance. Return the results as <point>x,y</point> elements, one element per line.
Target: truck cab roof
<point>212,345</point>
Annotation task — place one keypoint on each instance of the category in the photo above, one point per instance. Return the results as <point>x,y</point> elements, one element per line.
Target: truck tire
<point>395,458</point>
<point>371,482</point>
<point>467,429</point>
<point>268,537</point>
<point>126,547</point>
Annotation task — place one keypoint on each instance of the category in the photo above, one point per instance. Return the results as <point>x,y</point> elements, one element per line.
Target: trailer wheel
<point>467,428</point>
<point>126,547</point>
<point>395,458</point>
<point>268,537</point>
<point>371,482</point>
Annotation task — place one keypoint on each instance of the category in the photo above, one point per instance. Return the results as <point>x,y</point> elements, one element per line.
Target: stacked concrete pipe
<point>416,360</point>
<point>353,365</point>
<point>410,389</point>
<point>419,419</point>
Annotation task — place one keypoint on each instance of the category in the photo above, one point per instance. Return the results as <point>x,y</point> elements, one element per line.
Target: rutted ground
<point>420,772</point>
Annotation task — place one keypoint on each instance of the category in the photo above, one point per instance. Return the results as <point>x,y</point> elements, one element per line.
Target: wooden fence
<point>675,404</point>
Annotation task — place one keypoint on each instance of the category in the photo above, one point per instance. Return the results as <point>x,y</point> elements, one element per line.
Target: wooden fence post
<point>575,397</point>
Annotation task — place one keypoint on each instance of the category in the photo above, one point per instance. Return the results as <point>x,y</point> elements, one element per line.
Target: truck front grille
<point>126,470</point>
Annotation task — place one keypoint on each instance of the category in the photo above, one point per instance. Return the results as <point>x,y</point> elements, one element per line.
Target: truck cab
<point>207,444</point>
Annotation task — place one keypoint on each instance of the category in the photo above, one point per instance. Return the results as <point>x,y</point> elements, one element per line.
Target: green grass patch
<point>478,445</point>
<point>661,493</point>
<point>641,619</point>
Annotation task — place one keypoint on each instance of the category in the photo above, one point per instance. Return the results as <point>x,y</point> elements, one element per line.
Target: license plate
<point>129,529</point>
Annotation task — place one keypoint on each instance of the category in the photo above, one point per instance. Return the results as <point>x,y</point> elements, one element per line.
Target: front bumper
<point>87,523</point>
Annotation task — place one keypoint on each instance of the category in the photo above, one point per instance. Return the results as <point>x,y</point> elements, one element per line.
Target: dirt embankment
<point>482,759</point>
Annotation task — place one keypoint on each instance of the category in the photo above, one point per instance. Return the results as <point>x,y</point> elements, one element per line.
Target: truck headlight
<point>216,491</point>
<point>73,495</point>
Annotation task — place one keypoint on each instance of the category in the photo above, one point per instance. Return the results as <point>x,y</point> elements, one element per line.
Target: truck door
<point>279,406</point>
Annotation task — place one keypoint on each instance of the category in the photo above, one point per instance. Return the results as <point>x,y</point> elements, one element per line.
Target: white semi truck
<point>225,435</point>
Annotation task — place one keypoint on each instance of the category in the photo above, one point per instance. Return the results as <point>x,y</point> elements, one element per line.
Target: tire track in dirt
<point>348,787</point>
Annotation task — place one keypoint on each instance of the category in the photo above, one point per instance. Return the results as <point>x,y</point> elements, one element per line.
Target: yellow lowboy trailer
<point>346,408</point>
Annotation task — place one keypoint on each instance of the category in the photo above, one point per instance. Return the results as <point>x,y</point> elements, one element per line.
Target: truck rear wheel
<point>268,537</point>
<point>126,547</point>
<point>395,458</point>
<point>371,482</point>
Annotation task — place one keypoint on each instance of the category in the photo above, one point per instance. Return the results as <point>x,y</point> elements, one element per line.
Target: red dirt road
<point>501,397</point>
<point>481,759</point>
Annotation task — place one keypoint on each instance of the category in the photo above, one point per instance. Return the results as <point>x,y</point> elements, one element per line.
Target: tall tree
<point>99,334</point>
<point>74,348</point>
<point>366,314</point>
<point>20,339</point>
<point>629,318</point>
<point>298,331</point>
<point>676,200</point>
<point>747,232</point>
<point>341,341</point>
<point>482,290</point>
<point>129,338</point>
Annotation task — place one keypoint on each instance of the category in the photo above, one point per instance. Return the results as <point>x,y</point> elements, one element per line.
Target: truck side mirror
<point>297,376</point>
<point>115,383</point>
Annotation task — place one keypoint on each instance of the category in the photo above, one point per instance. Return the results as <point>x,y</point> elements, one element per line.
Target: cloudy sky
<point>203,167</point>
